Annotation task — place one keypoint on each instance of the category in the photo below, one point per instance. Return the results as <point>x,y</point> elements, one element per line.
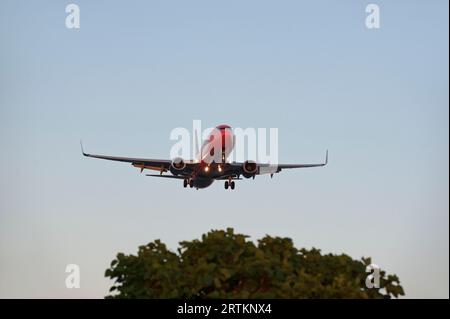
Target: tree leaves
<point>227,265</point>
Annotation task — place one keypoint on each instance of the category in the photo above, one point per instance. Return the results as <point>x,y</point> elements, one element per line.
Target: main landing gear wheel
<point>185,183</point>
<point>229,184</point>
<point>191,183</point>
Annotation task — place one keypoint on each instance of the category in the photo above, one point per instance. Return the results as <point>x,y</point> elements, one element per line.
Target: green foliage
<point>227,265</point>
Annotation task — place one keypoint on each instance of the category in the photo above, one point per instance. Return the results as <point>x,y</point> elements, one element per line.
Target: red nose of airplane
<point>227,136</point>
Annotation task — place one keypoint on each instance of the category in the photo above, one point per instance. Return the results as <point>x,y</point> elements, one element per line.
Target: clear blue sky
<point>377,99</point>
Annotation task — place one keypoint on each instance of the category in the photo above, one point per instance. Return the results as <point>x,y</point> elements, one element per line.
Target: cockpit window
<point>222,127</point>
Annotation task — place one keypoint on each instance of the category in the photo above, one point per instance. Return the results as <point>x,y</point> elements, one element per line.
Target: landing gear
<point>229,184</point>
<point>188,181</point>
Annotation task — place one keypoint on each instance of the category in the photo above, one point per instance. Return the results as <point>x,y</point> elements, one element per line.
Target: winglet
<point>326,158</point>
<point>82,150</point>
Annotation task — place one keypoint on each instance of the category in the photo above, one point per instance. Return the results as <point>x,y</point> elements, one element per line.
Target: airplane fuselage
<point>213,155</point>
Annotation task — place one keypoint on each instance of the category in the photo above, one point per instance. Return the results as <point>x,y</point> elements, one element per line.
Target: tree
<point>227,265</point>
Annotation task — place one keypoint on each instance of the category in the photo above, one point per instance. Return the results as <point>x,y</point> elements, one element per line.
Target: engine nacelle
<point>177,166</point>
<point>250,168</point>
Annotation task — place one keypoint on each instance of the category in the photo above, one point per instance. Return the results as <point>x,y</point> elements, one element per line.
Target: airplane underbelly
<point>202,182</point>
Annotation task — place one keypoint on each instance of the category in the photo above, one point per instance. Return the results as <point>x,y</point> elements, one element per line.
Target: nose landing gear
<point>188,181</point>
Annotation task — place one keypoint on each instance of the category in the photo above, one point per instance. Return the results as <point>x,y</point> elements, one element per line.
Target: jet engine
<point>177,166</point>
<point>250,168</point>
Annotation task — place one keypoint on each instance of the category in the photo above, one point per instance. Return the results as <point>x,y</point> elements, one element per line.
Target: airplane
<point>210,166</point>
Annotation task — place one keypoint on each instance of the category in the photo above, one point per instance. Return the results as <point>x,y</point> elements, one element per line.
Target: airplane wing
<point>166,176</point>
<point>284,166</point>
<point>238,168</point>
<point>142,163</point>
